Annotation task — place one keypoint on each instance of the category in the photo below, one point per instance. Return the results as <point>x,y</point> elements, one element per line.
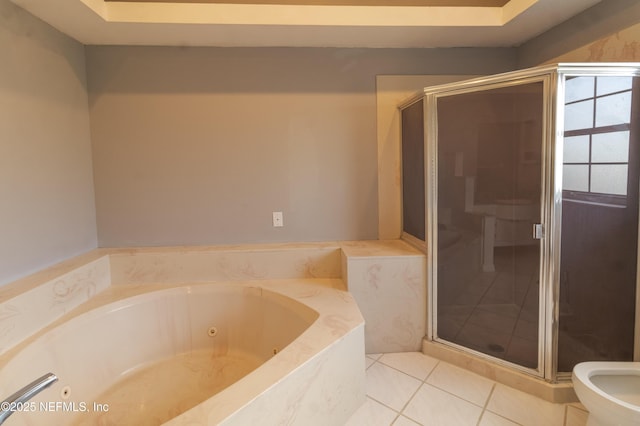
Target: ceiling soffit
<point>212,23</point>
<point>431,3</point>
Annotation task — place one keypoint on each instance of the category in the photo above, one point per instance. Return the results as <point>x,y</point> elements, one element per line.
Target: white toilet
<point>610,391</point>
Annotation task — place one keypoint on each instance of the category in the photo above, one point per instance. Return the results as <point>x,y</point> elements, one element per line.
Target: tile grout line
<point>526,294</point>
<point>458,396</point>
<point>398,413</point>
<point>484,409</point>
<point>423,382</point>
<point>484,293</point>
<point>486,403</point>
<point>386,406</point>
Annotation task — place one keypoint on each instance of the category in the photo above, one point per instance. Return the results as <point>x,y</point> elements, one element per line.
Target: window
<point>596,138</point>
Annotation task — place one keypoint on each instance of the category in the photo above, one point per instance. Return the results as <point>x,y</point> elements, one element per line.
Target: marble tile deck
<point>415,389</point>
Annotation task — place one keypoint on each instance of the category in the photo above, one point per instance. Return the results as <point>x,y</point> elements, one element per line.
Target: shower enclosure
<point>523,190</point>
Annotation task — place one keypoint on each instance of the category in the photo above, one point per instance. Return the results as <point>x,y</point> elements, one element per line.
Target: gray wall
<point>47,211</point>
<point>201,145</point>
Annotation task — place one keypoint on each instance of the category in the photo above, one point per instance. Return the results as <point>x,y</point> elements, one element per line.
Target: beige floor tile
<point>415,364</point>
<point>372,413</point>
<point>465,384</point>
<point>403,421</point>
<point>491,419</point>
<point>368,362</point>
<point>576,416</point>
<point>523,408</point>
<point>389,386</point>
<point>434,407</point>
<point>374,356</point>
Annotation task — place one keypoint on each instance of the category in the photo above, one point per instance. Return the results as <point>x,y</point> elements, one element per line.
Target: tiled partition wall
<point>388,280</point>
<point>228,263</point>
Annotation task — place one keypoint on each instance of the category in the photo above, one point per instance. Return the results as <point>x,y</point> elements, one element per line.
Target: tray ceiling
<point>306,23</point>
<point>451,3</point>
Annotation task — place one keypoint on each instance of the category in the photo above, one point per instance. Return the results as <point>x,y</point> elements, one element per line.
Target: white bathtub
<point>273,352</point>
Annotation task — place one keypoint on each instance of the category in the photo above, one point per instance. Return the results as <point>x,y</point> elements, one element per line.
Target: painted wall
<point>201,145</point>
<point>47,211</point>
<point>622,46</point>
<point>608,31</point>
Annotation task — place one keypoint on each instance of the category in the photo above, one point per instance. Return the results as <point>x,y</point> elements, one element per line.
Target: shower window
<point>596,139</point>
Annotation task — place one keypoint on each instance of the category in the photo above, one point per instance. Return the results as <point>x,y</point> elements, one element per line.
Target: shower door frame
<point>546,76</point>
<point>552,77</point>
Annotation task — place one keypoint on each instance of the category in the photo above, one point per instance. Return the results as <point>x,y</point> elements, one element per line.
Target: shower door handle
<point>538,231</point>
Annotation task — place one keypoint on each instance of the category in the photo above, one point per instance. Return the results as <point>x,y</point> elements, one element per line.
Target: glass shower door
<point>488,156</point>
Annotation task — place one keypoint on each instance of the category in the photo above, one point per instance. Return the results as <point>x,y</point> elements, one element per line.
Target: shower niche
<point>522,188</point>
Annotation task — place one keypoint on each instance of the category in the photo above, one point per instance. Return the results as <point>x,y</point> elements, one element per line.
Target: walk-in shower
<point>523,190</point>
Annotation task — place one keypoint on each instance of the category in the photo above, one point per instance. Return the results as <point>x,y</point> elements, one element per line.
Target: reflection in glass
<point>575,177</point>
<point>579,115</point>
<point>596,143</point>
<point>613,109</point>
<point>576,149</point>
<point>599,242</point>
<point>579,88</point>
<point>609,179</point>
<point>611,84</point>
<point>612,147</point>
<point>489,189</point>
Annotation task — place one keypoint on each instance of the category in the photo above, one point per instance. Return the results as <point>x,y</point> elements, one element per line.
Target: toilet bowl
<point>610,391</point>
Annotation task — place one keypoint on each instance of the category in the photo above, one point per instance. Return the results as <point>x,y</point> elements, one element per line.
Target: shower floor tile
<point>497,313</point>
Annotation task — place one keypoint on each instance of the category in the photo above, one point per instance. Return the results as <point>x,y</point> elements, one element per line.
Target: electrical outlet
<point>278,221</point>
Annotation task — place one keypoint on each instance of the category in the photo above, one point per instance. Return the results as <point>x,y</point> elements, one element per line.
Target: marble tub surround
<point>388,280</point>
<point>325,389</point>
<point>385,278</point>
<point>225,263</point>
<point>29,304</point>
<point>375,271</point>
<point>325,363</point>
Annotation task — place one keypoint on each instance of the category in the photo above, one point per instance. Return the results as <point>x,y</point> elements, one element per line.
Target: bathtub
<point>256,352</point>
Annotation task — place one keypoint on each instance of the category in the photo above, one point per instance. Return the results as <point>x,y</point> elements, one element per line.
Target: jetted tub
<point>274,352</point>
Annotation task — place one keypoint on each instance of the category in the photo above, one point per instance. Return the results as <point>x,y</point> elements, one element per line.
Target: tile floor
<point>405,389</point>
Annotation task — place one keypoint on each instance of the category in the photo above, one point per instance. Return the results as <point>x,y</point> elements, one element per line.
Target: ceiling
<point>308,23</point>
<point>454,3</point>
